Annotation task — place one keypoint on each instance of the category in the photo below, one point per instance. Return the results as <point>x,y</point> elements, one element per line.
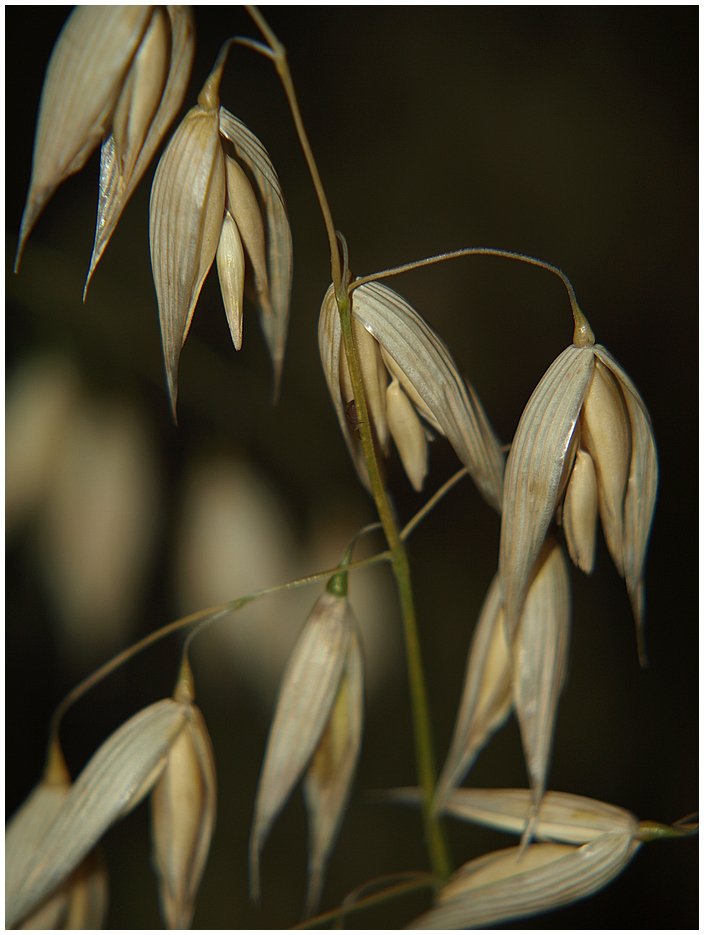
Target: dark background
<point>568,134</point>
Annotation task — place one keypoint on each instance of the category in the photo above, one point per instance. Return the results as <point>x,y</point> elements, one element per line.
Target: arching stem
<point>204,618</point>
<point>583,334</point>
<point>278,57</point>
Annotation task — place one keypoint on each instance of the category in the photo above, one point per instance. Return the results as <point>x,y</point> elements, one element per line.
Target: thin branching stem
<point>409,883</point>
<point>577,313</point>
<point>203,618</point>
<point>436,497</point>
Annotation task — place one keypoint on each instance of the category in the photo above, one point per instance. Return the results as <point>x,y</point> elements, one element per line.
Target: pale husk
<point>184,802</point>
<point>539,653</point>
<point>231,270</point>
<point>328,782</point>
<point>430,369</point>
<point>141,91</point>
<point>82,84</point>
<point>408,434</point>
<point>243,206</point>
<point>116,778</point>
<point>29,824</point>
<point>116,185</point>
<point>562,817</point>
<point>308,690</point>
<point>534,470</point>
<point>500,887</point>
<point>88,903</point>
<point>606,436</point>
<point>186,212</point>
<point>641,492</point>
<point>420,361</point>
<point>273,319</point>
<point>79,903</point>
<point>334,363</point>
<point>486,695</point>
<point>579,512</point>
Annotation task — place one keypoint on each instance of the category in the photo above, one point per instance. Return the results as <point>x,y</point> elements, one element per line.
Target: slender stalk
<point>577,313</point>
<point>278,56</point>
<point>202,617</point>
<point>408,883</point>
<point>425,757</point>
<point>436,497</point>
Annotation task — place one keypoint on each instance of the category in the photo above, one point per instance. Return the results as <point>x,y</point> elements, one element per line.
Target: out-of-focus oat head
<point>81,471</point>
<point>235,536</point>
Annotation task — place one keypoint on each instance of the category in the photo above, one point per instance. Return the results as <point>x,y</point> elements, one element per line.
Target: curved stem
<point>581,323</point>
<point>278,57</point>
<point>409,882</point>
<point>202,617</point>
<point>208,615</point>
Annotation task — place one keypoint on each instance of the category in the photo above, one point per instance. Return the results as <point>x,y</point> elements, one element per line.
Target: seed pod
<point>82,84</point>
<point>562,817</point>
<point>511,884</point>
<point>425,370</point>
<point>410,390</point>
<point>115,74</point>
<point>183,812</point>
<point>539,655</point>
<point>579,513</point>
<point>186,212</point>
<point>243,206</point>
<point>408,434</point>
<point>308,691</point>
<point>606,436</point>
<point>81,901</point>
<point>230,260</point>
<point>279,245</point>
<point>119,177</point>
<point>585,383</point>
<point>88,900</point>
<point>531,676</point>
<point>31,821</point>
<point>141,92</point>
<point>486,695</point>
<point>113,782</point>
<point>328,781</point>
<point>641,493</point>
<point>534,469</point>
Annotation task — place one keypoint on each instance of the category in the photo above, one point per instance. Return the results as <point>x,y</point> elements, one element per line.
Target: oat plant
<point>522,632</point>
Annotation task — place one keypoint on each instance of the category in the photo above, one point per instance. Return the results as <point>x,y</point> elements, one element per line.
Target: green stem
<point>425,757</point>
